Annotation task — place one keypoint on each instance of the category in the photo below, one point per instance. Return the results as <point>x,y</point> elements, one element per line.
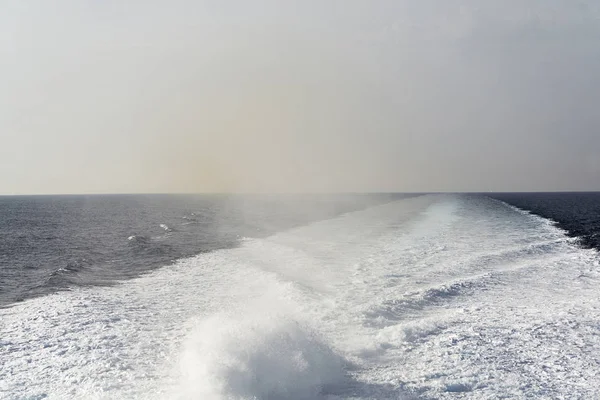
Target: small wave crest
<point>66,275</point>
<point>257,357</point>
<point>166,228</point>
<point>392,311</point>
<point>138,239</point>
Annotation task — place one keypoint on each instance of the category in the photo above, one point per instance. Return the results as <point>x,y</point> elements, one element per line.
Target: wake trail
<point>422,297</point>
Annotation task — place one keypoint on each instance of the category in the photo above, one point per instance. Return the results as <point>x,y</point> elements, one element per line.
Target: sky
<point>182,96</point>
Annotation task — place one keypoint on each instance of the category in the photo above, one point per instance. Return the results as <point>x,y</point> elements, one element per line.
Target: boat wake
<point>424,297</point>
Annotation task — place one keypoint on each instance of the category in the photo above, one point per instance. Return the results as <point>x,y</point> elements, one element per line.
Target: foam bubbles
<point>271,356</point>
<point>439,296</point>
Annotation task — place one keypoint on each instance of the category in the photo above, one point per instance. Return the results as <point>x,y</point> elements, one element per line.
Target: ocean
<point>380,296</point>
<point>49,243</point>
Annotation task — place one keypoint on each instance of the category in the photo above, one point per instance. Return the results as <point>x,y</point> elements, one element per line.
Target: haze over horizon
<point>299,96</point>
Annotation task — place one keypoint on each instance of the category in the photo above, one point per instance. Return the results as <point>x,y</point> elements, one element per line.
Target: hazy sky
<point>276,95</point>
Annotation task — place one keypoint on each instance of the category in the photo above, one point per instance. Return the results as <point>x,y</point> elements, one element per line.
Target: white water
<point>428,297</point>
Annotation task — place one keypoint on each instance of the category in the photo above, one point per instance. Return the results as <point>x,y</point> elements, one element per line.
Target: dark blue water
<point>50,243</point>
<point>577,213</point>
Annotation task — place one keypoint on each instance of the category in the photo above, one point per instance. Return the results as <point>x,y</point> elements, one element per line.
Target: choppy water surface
<point>434,296</point>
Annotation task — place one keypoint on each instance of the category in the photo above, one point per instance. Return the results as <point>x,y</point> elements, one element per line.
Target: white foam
<point>165,227</point>
<point>258,355</point>
<point>432,296</point>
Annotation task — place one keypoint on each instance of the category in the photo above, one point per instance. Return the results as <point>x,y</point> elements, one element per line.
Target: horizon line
<point>291,193</point>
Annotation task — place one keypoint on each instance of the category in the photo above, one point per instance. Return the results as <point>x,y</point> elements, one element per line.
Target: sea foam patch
<point>430,297</point>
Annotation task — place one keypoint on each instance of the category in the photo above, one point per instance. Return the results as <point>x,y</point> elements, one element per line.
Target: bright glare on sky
<point>292,96</point>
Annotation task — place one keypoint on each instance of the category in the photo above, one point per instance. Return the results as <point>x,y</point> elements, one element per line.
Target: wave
<point>257,357</point>
<point>139,239</point>
<point>578,217</point>
<point>190,220</point>
<point>67,275</point>
<point>545,220</point>
<point>166,228</point>
<point>393,311</point>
